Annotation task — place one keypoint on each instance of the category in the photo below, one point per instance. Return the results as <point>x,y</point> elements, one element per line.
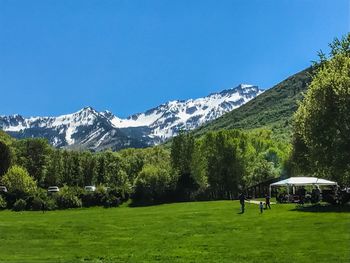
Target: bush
<point>40,200</point>
<point>94,198</point>
<point>36,203</point>
<point>111,201</point>
<point>67,198</point>
<point>102,196</point>
<point>50,204</point>
<point>19,205</point>
<point>3,203</point>
<point>18,181</point>
<point>151,184</point>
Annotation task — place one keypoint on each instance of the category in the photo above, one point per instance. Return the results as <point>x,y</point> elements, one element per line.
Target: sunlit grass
<point>182,232</point>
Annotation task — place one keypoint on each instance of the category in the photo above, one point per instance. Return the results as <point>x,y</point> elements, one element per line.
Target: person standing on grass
<point>241,200</point>
<point>43,208</point>
<point>261,206</point>
<point>267,201</point>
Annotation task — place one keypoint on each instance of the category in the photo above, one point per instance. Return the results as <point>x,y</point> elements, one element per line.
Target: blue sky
<point>128,56</point>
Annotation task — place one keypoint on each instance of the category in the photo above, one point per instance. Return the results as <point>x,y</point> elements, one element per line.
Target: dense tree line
<point>215,166</point>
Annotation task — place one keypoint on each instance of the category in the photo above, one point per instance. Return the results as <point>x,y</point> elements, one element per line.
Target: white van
<point>53,189</point>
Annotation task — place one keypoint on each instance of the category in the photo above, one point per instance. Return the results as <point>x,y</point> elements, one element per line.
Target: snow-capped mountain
<point>89,129</point>
<point>85,129</point>
<point>166,120</point>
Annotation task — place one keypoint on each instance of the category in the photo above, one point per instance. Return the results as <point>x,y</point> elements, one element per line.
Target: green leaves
<point>322,122</point>
<point>17,180</point>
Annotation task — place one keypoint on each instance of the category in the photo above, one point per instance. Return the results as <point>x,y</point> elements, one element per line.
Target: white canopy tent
<point>301,181</point>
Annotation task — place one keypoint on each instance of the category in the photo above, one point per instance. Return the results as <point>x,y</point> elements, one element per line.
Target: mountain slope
<point>273,109</point>
<point>89,129</point>
<point>168,119</point>
<point>85,129</point>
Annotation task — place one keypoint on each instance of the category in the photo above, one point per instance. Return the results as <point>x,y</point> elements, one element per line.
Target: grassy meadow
<point>181,232</point>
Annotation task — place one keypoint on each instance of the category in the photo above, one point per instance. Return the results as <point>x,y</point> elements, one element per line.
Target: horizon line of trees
<point>215,166</point>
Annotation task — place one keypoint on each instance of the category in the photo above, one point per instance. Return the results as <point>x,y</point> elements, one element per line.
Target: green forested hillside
<point>273,109</point>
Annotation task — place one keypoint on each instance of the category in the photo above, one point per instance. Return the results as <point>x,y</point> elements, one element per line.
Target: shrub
<point>36,203</point>
<point>18,181</point>
<point>111,201</point>
<point>19,205</point>
<point>151,184</point>
<point>94,198</point>
<point>40,200</point>
<point>50,204</point>
<point>67,198</point>
<point>3,203</point>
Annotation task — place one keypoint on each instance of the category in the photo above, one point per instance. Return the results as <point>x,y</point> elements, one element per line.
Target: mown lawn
<point>182,232</point>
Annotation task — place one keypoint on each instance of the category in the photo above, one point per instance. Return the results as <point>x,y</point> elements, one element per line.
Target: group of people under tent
<point>309,194</point>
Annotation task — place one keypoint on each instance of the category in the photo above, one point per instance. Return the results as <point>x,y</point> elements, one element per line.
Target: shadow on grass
<point>323,208</point>
<point>144,204</point>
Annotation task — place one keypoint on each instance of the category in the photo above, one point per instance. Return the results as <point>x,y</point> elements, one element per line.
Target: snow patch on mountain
<point>95,130</point>
<point>168,119</point>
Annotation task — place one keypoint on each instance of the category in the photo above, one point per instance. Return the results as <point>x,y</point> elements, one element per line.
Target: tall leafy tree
<point>33,154</point>
<point>54,171</point>
<point>89,168</point>
<point>322,122</point>
<point>181,158</point>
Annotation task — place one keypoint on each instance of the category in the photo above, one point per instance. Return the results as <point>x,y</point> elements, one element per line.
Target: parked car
<point>3,189</point>
<point>53,189</point>
<point>90,188</point>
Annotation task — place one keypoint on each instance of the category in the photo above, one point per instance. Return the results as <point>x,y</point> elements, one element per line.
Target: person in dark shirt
<point>43,208</point>
<point>241,200</point>
<point>267,201</point>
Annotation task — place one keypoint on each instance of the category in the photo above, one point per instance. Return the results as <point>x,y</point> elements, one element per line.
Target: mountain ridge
<point>94,130</point>
<point>273,109</point>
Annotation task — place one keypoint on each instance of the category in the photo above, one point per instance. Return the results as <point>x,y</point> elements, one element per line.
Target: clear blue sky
<point>130,55</point>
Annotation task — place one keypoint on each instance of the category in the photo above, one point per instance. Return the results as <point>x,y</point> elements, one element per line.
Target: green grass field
<point>182,232</point>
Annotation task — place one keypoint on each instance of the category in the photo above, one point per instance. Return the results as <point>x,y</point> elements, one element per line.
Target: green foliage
<point>17,180</point>
<point>68,198</point>
<point>7,139</point>
<point>272,109</point>
<point>3,203</point>
<point>181,153</point>
<point>41,200</point>
<point>33,154</point>
<point>19,205</point>
<point>5,158</point>
<point>261,171</point>
<point>223,163</point>
<point>152,183</point>
<point>322,122</point>
<point>102,197</point>
<point>54,171</point>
